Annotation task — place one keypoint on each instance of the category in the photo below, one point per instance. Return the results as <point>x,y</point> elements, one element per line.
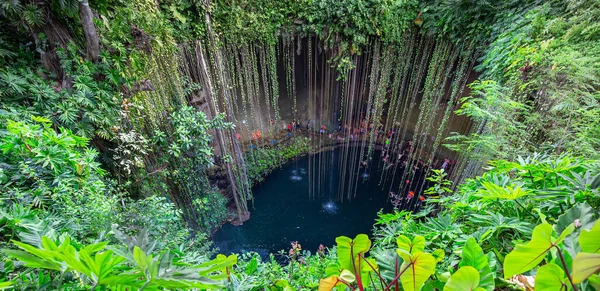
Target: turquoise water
<point>283,211</point>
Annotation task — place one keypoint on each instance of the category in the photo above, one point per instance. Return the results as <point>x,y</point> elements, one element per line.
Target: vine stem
<point>347,284</point>
<point>357,272</point>
<point>395,281</point>
<point>381,280</point>
<point>562,260</point>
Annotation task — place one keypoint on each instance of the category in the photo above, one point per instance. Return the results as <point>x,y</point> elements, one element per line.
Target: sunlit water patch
<point>330,207</point>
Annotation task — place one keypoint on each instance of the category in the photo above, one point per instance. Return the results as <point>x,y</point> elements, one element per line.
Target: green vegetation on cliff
<point>110,111</point>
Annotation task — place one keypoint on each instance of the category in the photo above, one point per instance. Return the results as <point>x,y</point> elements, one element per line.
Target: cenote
<point>284,212</point>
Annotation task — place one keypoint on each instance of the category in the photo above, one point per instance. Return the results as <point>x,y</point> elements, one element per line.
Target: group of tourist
<point>397,199</point>
<point>392,153</point>
<point>295,125</point>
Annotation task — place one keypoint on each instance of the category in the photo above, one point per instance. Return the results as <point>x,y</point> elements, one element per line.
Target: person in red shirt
<point>289,127</point>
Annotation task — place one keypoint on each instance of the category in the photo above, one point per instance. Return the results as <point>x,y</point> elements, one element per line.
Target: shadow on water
<point>283,211</point>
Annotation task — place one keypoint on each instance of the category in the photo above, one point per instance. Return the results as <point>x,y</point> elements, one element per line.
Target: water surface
<point>283,211</point>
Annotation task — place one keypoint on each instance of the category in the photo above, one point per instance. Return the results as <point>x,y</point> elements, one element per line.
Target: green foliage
<point>473,256</point>
<point>413,266</point>
<point>261,161</point>
<point>538,91</point>
<point>99,265</point>
<point>162,219</point>
<point>54,172</point>
<point>440,185</point>
<point>417,266</point>
<point>552,276</point>
<point>466,278</point>
<point>525,257</point>
<point>302,273</point>
<point>540,80</point>
<point>349,253</point>
<point>89,107</point>
<point>463,19</point>
<point>52,182</point>
<point>182,157</point>
<point>476,228</point>
<point>489,104</point>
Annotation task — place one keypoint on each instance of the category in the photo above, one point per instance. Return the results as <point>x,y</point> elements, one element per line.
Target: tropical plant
<point>97,265</point>
<point>55,172</point>
<point>413,266</point>
<point>440,185</point>
<point>556,273</point>
<point>261,161</point>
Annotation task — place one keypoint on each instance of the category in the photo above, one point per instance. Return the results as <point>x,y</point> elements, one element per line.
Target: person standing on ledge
<point>289,127</point>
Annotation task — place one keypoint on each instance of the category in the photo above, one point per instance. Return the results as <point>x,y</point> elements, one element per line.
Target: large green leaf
<point>472,255</point>
<point>222,263</point>
<point>5,285</point>
<point>386,261</point>
<point>594,281</point>
<point>589,240</point>
<point>350,249</point>
<point>583,214</point>
<point>526,256</point>
<point>32,261</point>
<point>282,285</point>
<point>411,246</point>
<point>492,191</point>
<point>141,259</point>
<point>465,279</point>
<point>416,270</point>
<point>439,255</point>
<point>551,277</point>
<point>105,268</point>
<point>333,269</point>
<point>584,265</point>
<point>492,261</point>
<point>566,232</point>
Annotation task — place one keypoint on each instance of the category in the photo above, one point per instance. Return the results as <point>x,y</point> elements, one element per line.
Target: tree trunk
<point>57,35</point>
<point>91,36</point>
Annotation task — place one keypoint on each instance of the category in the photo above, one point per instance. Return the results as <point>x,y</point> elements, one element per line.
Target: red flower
<point>411,194</point>
<point>421,198</point>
